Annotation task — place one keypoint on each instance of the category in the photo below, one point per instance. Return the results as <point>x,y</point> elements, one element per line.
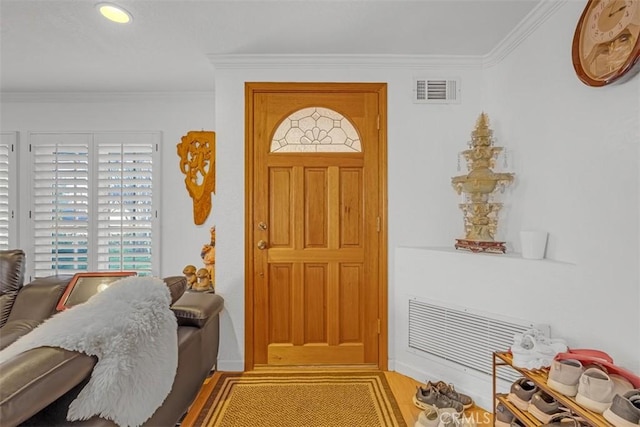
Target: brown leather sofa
<point>37,386</point>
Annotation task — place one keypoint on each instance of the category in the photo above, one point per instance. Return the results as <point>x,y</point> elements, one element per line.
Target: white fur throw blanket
<point>133,332</point>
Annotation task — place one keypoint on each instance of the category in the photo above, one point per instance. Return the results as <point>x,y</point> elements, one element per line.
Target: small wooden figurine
<point>189,272</point>
<point>204,281</point>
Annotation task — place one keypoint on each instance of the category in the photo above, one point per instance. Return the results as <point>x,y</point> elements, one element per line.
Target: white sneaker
<point>565,375</point>
<point>539,336</point>
<point>533,350</point>
<point>428,418</point>
<point>595,390</point>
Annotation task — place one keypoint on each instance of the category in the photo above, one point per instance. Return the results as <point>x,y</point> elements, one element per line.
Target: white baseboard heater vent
<point>464,337</point>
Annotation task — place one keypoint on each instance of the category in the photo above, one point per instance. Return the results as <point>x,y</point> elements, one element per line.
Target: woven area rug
<point>301,399</point>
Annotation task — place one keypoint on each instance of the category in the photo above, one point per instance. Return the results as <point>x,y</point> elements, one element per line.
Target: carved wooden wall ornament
<point>197,153</point>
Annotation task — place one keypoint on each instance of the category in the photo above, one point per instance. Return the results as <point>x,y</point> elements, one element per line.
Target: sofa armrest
<point>33,379</point>
<point>195,309</point>
<point>38,299</point>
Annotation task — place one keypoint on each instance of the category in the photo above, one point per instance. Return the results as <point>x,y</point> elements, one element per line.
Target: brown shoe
<point>431,398</point>
<point>449,391</point>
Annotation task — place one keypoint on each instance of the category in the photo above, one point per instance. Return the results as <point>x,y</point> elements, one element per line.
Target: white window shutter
<point>60,206</point>
<point>125,207</point>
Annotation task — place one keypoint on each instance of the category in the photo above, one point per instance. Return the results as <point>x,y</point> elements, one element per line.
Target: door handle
<point>262,245</point>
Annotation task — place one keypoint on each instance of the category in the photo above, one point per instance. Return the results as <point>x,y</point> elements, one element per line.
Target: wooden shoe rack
<point>539,377</point>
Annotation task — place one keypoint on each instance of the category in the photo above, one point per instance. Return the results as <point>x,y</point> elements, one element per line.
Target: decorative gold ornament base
<point>480,246</point>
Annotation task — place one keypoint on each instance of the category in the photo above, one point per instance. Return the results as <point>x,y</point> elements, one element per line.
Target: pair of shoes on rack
<point>534,350</point>
<point>592,377</point>
<point>625,409</point>
<point>601,360</point>
<point>567,368</point>
<point>526,396</point>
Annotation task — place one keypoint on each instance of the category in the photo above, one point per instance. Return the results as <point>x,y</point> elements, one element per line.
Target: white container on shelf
<point>534,243</point>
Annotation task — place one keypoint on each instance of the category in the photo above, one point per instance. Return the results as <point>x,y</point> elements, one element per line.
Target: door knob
<point>262,245</point>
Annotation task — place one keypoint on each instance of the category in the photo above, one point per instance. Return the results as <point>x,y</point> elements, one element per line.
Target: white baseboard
<point>231,365</point>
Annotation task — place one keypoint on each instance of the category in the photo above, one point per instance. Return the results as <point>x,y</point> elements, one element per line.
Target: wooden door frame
<point>252,88</point>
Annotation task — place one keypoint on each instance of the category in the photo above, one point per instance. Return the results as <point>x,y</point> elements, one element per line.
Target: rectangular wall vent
<point>436,91</point>
<point>463,337</point>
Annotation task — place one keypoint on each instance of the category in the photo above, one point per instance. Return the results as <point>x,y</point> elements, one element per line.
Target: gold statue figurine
<point>480,213</point>
<point>208,255</point>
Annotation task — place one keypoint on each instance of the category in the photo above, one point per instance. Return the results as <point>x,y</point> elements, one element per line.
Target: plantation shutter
<point>93,207</point>
<point>7,189</point>
<point>125,206</point>
<point>60,203</point>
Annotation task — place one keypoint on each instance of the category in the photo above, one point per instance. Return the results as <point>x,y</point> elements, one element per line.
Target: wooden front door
<point>316,244</point>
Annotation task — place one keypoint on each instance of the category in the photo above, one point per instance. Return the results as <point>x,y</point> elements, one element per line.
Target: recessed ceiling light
<point>114,13</point>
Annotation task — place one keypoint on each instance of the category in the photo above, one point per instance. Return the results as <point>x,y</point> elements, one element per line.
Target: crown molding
<point>539,15</point>
<point>90,97</point>
<point>303,61</point>
<point>521,32</point>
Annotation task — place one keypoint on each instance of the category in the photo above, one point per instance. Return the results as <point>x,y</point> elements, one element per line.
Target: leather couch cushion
<point>177,286</point>
<point>38,299</point>
<point>14,329</point>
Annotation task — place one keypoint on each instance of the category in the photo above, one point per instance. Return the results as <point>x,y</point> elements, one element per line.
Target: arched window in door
<point>316,130</point>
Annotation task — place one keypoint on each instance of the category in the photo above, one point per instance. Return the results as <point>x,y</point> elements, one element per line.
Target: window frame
<point>93,141</point>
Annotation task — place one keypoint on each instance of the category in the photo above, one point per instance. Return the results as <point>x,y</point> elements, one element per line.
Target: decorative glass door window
<point>316,130</point>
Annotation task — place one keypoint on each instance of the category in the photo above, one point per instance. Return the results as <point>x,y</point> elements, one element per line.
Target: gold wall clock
<point>606,43</point>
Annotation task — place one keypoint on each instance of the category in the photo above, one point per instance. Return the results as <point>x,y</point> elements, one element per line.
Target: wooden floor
<point>403,389</point>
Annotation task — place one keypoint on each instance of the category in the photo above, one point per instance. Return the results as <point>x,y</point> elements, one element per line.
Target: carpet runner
<point>301,399</point>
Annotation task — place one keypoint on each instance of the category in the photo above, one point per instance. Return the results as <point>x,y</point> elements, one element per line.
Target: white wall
<point>574,150</point>
<point>174,115</point>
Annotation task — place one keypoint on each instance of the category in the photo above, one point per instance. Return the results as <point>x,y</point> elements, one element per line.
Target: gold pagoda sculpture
<point>479,210</point>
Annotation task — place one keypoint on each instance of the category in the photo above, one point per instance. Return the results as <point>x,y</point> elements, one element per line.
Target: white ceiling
<point>66,46</point>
